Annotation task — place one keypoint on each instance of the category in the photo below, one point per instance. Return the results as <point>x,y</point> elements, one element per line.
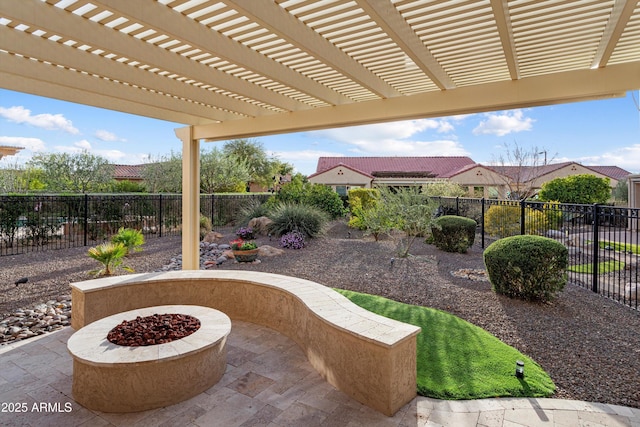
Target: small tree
<point>577,189</point>
<point>444,189</point>
<point>410,212</point>
<point>77,173</point>
<point>519,167</point>
<point>110,256</point>
<point>223,173</point>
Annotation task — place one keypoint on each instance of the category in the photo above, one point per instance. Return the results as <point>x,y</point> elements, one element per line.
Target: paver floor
<point>268,382</point>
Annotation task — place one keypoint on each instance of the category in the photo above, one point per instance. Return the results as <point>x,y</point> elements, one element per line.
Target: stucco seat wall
<point>369,357</point>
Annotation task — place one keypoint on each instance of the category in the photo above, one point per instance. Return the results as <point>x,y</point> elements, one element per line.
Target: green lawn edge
<point>457,360</point>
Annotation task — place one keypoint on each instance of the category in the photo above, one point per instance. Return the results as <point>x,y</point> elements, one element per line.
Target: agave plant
<point>110,255</point>
<point>130,238</point>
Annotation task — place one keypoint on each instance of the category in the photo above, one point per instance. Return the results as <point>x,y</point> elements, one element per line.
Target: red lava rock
<point>151,330</point>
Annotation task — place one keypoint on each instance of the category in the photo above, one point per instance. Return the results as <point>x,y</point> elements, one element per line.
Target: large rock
<point>260,225</point>
<point>212,236</point>
<point>267,250</point>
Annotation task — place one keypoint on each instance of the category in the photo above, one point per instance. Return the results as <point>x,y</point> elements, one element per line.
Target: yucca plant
<point>110,255</point>
<point>288,217</point>
<point>131,239</point>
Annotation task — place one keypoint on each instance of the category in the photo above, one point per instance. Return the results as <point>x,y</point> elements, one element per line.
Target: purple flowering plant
<point>245,233</point>
<point>292,240</point>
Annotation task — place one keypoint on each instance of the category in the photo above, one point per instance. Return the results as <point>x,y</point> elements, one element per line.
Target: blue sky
<point>605,132</point>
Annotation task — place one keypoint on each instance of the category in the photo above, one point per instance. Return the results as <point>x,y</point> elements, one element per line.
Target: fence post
<point>482,220</point>
<point>160,217</point>
<point>86,217</point>
<point>522,218</point>
<point>457,206</point>
<point>596,249</point>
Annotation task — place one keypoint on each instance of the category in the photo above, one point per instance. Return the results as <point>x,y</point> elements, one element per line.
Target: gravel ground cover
<point>588,344</point>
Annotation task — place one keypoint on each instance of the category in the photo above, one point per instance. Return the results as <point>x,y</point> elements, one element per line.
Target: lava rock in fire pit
<point>155,329</point>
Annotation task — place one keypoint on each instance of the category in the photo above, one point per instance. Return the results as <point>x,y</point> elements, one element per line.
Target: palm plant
<point>110,255</point>
<point>130,238</point>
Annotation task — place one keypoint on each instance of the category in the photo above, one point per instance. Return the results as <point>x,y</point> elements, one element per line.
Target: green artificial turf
<point>620,247</point>
<point>458,360</point>
<point>603,267</point>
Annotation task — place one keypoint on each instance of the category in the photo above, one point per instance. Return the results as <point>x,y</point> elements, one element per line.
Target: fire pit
<point>109,377</point>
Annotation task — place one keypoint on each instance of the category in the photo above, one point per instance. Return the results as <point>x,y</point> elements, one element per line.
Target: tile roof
<point>127,171</point>
<point>437,166</point>
<point>529,172</point>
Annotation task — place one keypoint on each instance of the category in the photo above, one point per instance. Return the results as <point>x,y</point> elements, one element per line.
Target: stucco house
<point>345,173</point>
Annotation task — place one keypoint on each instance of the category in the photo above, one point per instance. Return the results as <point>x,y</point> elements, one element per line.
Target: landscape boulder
<point>260,225</point>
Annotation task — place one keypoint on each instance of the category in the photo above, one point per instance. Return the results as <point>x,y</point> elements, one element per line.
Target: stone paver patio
<point>268,382</point>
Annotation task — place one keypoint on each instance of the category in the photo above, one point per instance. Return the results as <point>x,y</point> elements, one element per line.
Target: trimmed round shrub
<point>453,233</point>
<point>288,217</point>
<point>527,267</point>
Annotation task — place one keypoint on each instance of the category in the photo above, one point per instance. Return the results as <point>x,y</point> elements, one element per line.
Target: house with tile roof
<point>345,173</point>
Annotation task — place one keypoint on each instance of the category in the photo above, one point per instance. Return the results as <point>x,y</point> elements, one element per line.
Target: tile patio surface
<point>268,382</point>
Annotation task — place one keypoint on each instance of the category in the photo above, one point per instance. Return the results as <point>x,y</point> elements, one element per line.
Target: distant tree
<point>262,168</point>
<point>444,189</point>
<point>127,186</point>
<point>621,192</point>
<point>163,174</point>
<point>523,165</point>
<point>576,189</point>
<point>77,173</point>
<point>222,172</point>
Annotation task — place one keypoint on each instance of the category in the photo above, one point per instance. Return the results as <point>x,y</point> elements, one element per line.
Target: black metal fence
<point>41,222</point>
<point>603,241</point>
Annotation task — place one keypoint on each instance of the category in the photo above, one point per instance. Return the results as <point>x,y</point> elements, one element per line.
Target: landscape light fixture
<point>520,369</point>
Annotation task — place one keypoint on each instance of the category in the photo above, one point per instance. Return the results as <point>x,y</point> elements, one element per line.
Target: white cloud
<point>45,121</point>
<point>113,156</point>
<point>504,123</point>
<point>393,130</point>
<point>626,157</point>
<point>105,135</point>
<point>32,144</point>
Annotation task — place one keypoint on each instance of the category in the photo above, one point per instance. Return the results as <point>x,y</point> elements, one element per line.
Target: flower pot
<point>246,256</point>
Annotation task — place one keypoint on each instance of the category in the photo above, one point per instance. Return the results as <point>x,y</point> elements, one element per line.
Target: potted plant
<point>244,251</point>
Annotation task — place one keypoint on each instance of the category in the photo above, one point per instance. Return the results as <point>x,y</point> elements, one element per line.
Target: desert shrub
<point>245,233</point>
<point>504,220</point>
<point>361,199</point>
<point>527,267</point>
<point>324,198</point>
<point>292,240</point>
<point>130,238</point>
<point>110,256</point>
<point>205,226</point>
<point>253,209</point>
<point>453,233</point>
<point>288,217</point>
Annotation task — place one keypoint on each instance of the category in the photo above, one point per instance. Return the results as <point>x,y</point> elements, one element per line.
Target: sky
<point>603,132</point>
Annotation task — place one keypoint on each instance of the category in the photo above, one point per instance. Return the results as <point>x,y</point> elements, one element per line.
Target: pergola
<point>242,68</point>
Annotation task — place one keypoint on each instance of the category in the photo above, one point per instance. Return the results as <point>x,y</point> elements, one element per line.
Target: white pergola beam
<point>166,21</point>
<point>277,20</point>
<point>45,50</point>
<point>505,29</point>
<point>571,86</point>
<point>57,21</point>
<point>620,15</point>
<point>389,19</point>
<point>35,70</point>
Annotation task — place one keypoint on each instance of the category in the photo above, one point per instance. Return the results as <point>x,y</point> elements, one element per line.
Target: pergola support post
<point>190,198</point>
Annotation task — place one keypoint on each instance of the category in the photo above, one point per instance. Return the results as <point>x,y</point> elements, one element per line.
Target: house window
<point>341,190</point>
<point>478,192</point>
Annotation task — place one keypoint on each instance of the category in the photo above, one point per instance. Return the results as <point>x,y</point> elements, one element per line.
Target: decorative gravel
<point>589,345</point>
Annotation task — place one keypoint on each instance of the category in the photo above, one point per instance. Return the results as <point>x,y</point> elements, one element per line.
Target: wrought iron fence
<point>603,241</point>
<point>42,222</point>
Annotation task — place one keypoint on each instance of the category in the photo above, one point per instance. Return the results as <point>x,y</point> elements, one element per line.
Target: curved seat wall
<point>369,357</point>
